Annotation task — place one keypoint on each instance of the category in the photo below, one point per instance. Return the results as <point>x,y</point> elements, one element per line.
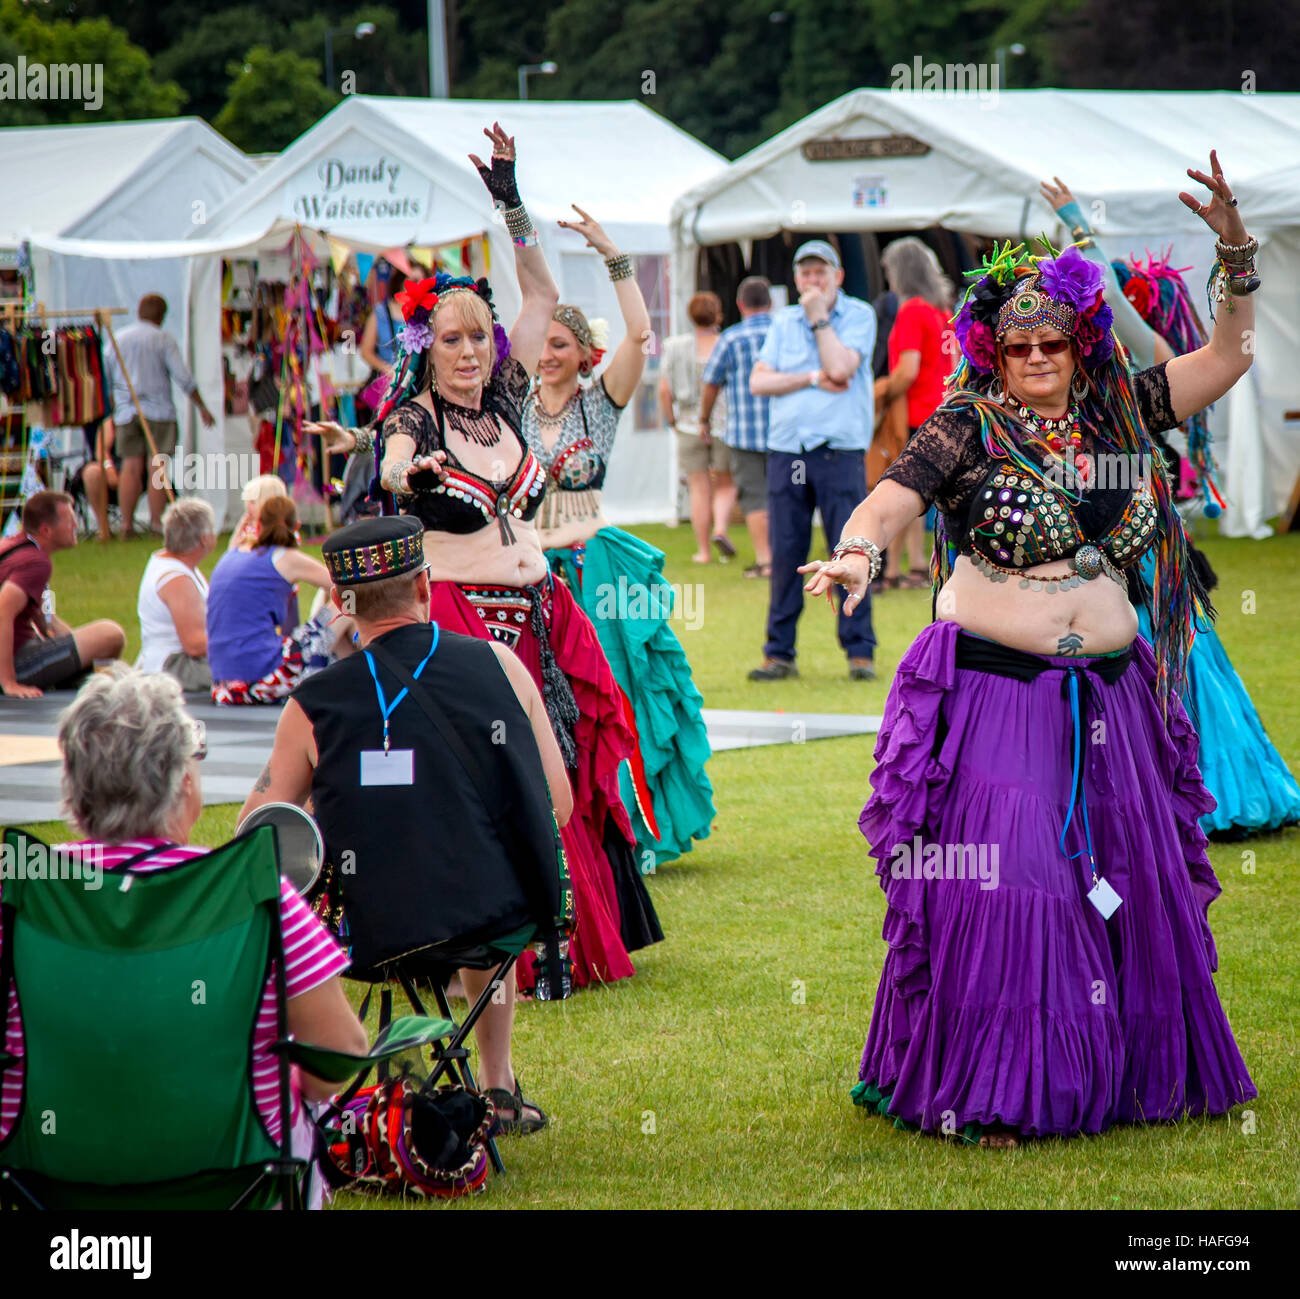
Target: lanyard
<point>385,708</point>
<point>1078,789</point>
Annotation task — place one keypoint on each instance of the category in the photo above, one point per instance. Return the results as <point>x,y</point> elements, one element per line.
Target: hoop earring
<point>1079,393</point>
<point>996,391</point>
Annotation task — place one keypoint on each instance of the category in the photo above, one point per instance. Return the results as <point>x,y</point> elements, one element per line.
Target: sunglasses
<point>199,734</point>
<point>1051,347</point>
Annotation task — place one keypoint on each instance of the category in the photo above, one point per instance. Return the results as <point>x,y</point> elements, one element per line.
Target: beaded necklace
<point>1063,437</point>
<point>544,416</point>
<point>478,426</point>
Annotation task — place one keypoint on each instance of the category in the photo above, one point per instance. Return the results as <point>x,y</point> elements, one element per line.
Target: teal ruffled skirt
<point>1253,787</point>
<point>618,580</point>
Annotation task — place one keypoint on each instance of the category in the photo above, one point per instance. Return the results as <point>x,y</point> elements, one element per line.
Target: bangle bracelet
<point>619,267</point>
<point>518,223</point>
<point>860,546</point>
<point>364,438</point>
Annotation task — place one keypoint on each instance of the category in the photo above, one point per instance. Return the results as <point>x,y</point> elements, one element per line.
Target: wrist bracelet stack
<point>860,546</point>
<point>365,439</point>
<point>1234,270</point>
<point>619,267</point>
<point>519,225</point>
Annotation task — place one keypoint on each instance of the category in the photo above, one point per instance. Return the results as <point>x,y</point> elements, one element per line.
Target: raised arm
<point>1203,376</point>
<point>628,364</point>
<point>1133,331</point>
<point>536,284</point>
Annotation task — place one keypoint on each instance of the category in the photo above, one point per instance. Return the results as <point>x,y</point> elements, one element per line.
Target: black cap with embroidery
<point>374,549</point>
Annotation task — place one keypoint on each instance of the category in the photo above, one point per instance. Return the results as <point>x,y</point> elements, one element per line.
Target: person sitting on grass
<point>254,659</point>
<point>39,652</point>
<point>131,785</point>
<point>428,856</point>
<point>173,602</point>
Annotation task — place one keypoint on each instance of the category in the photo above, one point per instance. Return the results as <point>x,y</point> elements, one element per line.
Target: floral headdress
<point>1015,290</point>
<point>1011,289</point>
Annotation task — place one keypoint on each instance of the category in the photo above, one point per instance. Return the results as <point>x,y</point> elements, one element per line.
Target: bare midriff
<point>1092,618</point>
<point>479,558</point>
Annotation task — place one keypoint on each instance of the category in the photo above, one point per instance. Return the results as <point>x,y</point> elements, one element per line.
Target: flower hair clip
<point>417,299</point>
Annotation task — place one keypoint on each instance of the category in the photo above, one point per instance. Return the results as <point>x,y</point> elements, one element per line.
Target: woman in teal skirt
<point>618,578</point>
<point>1155,318</point>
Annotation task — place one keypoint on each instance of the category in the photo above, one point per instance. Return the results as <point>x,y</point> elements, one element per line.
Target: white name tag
<point>1104,898</point>
<point>396,767</point>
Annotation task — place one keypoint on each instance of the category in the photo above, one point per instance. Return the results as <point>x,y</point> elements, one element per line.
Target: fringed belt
<point>981,655</point>
<point>505,610</point>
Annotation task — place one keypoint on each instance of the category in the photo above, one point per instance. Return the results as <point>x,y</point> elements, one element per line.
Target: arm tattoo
<point>1071,644</point>
<point>394,477</point>
<point>264,780</point>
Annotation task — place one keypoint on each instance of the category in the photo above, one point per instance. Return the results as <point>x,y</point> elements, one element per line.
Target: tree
<point>119,85</point>
<point>274,97</point>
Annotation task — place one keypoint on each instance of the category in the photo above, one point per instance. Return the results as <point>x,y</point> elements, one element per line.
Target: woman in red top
<point>919,362</point>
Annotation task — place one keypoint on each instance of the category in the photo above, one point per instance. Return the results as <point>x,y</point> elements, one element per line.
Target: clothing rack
<point>103,317</point>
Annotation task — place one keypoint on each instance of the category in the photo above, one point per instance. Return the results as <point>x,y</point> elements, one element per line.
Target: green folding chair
<point>138,1001</point>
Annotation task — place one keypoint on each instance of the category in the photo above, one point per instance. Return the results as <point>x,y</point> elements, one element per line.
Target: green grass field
<point>719,1075</point>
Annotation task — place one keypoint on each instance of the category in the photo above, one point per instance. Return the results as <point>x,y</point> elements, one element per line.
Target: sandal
<point>758,570</point>
<point>725,547</point>
<point>512,1119</point>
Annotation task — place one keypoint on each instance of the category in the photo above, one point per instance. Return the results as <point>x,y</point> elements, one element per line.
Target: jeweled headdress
<point>1015,290</point>
<point>590,334</point>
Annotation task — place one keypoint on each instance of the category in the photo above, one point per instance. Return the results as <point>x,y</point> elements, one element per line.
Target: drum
<point>302,850</point>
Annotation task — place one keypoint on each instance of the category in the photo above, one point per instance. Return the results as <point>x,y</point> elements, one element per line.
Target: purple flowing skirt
<point>1005,997</point>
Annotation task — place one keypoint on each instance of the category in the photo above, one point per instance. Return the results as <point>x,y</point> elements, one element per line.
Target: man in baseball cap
<point>815,365</point>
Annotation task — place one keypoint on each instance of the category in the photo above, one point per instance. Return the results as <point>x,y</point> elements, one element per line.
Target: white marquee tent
<point>378,173</point>
<point>913,160</point>
<point>128,183</point>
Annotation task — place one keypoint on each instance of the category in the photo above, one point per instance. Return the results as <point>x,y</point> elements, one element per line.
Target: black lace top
<point>992,507</point>
<point>463,502</point>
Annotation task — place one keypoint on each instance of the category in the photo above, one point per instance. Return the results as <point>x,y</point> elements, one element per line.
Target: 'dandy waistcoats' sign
<point>355,188</point>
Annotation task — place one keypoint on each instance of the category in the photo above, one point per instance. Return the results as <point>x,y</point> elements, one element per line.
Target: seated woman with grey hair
<point>131,785</point>
<point>173,602</point>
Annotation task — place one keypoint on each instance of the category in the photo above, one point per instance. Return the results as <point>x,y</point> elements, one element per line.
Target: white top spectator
<point>158,635</point>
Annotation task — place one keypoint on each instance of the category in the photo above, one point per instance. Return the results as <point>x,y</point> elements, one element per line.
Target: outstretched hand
<point>500,177</point>
<point>852,572</point>
<point>336,438</point>
<point>590,229</point>
<point>1057,195</point>
<point>1220,213</point>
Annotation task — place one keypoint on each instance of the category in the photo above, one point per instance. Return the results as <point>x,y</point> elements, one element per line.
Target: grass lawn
<point>719,1075</point>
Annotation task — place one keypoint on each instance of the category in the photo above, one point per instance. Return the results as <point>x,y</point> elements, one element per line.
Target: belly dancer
<point>1035,805</point>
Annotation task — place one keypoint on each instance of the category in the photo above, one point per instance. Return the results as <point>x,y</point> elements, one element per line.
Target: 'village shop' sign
<point>349,189</point>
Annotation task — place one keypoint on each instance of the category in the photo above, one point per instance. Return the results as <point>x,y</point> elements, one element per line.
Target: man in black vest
<point>428,757</point>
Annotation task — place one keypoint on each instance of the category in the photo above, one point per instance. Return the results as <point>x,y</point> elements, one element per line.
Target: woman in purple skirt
<point>1035,805</point>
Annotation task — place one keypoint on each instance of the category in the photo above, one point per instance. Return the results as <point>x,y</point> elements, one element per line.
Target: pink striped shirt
<point>311,957</point>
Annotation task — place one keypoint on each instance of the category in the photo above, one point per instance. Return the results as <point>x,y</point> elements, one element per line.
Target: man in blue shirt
<point>746,432</point>
<point>816,366</point>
